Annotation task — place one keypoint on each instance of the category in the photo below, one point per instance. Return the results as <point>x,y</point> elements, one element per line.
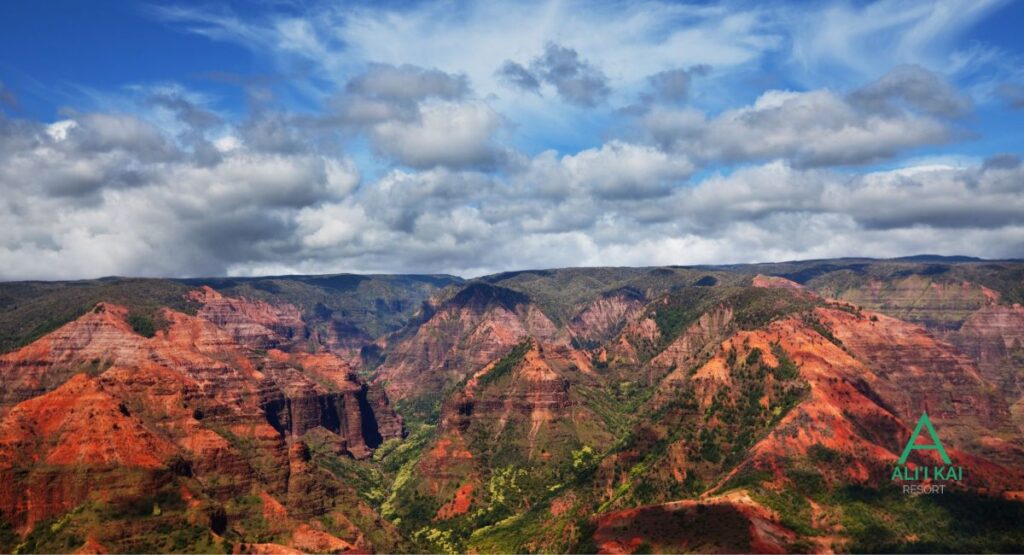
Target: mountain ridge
<point>563,410</point>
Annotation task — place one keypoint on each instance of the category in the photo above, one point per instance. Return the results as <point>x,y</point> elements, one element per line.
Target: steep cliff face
<point>59,449</point>
<point>520,397</point>
<point>919,373</point>
<point>251,323</point>
<point>88,344</point>
<point>211,401</point>
<point>604,318</point>
<point>302,392</point>
<point>935,301</point>
<point>512,425</point>
<point>740,413</point>
<point>479,324</point>
<point>993,338</point>
<point>692,346</point>
<point>639,338</point>
<point>343,339</point>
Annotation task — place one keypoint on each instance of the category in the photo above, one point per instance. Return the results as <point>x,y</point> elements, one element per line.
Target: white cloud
<point>815,128</point>
<point>446,133</point>
<point>170,186</point>
<point>617,170</point>
<point>303,212</point>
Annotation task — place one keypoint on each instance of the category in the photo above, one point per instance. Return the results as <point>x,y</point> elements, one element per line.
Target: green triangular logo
<point>924,422</point>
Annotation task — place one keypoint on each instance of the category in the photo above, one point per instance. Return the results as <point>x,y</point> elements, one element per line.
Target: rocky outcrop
<point>775,282</point>
<point>991,335</point>
<point>252,323</point>
<point>918,373</point>
<point>89,344</point>
<point>526,409</point>
<point>693,345</point>
<point>638,340</point>
<point>865,402</point>
<point>936,302</point>
<point>389,423</point>
<point>62,448</point>
<point>604,318</point>
<point>993,338</point>
<point>214,398</point>
<point>528,400</point>
<point>479,324</point>
<point>343,339</point>
<point>506,391</point>
<point>296,403</point>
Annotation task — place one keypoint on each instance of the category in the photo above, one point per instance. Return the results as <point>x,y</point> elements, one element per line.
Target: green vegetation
<point>156,523</point>
<point>819,454</point>
<point>405,506</point>
<point>9,538</point>
<point>886,521</point>
<point>794,509</point>
<point>29,310</point>
<point>823,330</point>
<point>367,480</point>
<point>424,408</point>
<point>355,305</point>
<point>628,443</point>
<point>142,325</point>
<point>787,369</point>
<point>505,365</point>
<point>755,307</point>
<point>747,477</point>
<point>680,310</point>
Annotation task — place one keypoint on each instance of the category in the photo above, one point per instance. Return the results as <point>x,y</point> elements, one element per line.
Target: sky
<point>281,137</point>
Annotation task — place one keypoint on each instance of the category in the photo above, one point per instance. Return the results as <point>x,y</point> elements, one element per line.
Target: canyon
<point>740,408</point>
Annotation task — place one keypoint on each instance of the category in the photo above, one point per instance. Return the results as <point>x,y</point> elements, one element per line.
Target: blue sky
<point>472,137</point>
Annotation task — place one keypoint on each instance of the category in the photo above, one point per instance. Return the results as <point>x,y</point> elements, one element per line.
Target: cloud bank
<point>394,164</point>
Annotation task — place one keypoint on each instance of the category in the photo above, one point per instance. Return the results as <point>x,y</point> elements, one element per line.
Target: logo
<point>922,478</point>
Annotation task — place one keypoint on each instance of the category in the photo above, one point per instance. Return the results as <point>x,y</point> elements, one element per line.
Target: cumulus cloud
<point>456,175</point>
<point>104,194</point>
<point>260,211</point>
<point>907,108</point>
<point>76,158</point>
<point>444,134</point>
<point>420,117</point>
<point>408,83</point>
<point>937,197</point>
<point>385,93</point>
<point>616,170</point>
<point>575,80</point>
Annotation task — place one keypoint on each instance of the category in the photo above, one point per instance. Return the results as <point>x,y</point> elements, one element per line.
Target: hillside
<point>756,408</point>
